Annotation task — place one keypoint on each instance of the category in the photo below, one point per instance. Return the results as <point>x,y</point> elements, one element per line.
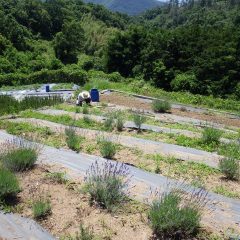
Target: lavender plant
<point>108,184</point>
<point>176,215</point>
<point>19,154</point>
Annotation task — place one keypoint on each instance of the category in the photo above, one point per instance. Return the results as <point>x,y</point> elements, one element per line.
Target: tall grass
<point>10,105</point>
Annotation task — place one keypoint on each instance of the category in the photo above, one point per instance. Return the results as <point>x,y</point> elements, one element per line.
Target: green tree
<point>69,42</point>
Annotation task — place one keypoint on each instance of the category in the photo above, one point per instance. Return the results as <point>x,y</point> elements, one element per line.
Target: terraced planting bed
<point>156,154</point>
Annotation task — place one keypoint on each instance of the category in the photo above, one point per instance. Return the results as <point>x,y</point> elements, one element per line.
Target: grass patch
<point>64,119</point>
<point>30,131</point>
<point>107,184</point>
<point>182,169</point>
<point>225,192</point>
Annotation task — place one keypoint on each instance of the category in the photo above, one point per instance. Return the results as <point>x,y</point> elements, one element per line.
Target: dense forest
<point>131,7</point>
<point>183,46</point>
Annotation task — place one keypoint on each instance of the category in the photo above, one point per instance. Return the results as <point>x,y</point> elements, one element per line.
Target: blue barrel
<point>94,95</point>
<point>47,88</point>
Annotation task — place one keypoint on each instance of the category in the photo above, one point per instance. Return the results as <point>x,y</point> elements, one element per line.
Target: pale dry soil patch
<point>132,102</point>
<point>70,208</point>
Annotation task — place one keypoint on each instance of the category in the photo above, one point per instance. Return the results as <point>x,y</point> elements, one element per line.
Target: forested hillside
<point>131,7</point>
<point>193,46</point>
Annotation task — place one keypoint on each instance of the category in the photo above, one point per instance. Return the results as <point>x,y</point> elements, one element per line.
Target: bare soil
<point>70,208</point>
<point>133,102</point>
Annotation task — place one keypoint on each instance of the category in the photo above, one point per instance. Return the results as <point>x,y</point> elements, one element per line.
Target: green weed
<point>41,208</point>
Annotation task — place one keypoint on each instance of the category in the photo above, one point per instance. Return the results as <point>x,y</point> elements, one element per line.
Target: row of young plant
<point>9,104</point>
<point>229,165</point>
<point>108,187</point>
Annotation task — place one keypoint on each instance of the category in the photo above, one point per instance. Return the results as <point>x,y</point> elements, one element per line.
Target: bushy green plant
<point>107,184</point>
<point>9,185</point>
<point>138,120</point>
<point>172,218</point>
<point>211,135</point>
<point>107,148</point>
<point>72,138</point>
<point>18,154</point>
<point>161,106</point>
<point>41,208</point>
<point>230,167</point>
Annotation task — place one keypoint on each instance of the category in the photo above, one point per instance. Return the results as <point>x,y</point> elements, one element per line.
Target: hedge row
<point>45,76</point>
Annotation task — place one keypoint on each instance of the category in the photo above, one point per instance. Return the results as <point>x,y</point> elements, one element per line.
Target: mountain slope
<point>131,7</point>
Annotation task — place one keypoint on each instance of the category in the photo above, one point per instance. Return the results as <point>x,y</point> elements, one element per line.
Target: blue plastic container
<point>94,95</point>
<point>47,88</point>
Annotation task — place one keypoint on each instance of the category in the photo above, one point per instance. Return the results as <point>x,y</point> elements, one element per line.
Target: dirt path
<point>133,102</point>
<point>221,212</point>
<point>147,146</point>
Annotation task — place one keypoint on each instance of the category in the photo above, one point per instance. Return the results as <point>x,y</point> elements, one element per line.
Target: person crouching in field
<point>83,96</point>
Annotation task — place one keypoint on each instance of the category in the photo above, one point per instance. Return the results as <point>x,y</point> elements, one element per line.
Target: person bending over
<point>83,96</point>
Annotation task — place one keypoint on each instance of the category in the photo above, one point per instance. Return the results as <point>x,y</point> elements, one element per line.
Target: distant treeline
<point>184,46</point>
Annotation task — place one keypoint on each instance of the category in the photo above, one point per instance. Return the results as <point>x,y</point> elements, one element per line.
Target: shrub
<point>72,138</point>
<point>19,155</point>
<point>230,167</point>
<point>9,185</point>
<point>160,106</point>
<point>107,184</point>
<point>211,135</point>
<point>41,208</point>
<point>175,216</point>
<point>107,148</point>
<point>138,120</point>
